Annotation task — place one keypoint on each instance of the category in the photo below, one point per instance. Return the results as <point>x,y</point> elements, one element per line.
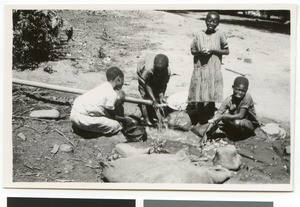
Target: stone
<point>199,129</point>
<point>163,168</point>
<point>45,114</point>
<point>129,149</point>
<point>66,148</point>
<point>106,60</point>
<point>179,120</point>
<point>287,150</point>
<point>99,156</point>
<point>274,131</point>
<point>55,149</point>
<point>228,157</point>
<point>21,136</point>
<point>67,166</point>
<point>247,60</point>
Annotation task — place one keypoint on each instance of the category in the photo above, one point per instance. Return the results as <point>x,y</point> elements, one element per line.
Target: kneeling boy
<point>236,116</point>
<point>100,110</point>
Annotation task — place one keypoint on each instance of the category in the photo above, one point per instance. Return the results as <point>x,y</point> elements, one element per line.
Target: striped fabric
<point>207,81</point>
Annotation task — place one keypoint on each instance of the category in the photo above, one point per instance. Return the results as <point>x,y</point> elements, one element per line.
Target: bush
<point>35,36</point>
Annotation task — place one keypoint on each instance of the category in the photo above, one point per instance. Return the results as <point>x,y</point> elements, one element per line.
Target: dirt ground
<point>258,49</point>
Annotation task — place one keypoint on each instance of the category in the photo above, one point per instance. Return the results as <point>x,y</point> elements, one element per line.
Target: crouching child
<point>153,76</point>
<point>236,116</point>
<point>100,110</point>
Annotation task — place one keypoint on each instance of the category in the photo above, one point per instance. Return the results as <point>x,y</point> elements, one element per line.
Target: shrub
<point>35,36</point>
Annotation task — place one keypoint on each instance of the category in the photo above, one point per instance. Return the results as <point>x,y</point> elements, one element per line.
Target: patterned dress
<point>207,81</point>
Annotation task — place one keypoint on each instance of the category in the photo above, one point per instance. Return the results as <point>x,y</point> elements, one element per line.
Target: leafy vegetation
<point>35,37</point>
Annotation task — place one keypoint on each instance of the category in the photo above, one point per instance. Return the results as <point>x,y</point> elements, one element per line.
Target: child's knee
<point>247,124</point>
<point>114,127</point>
<point>237,123</point>
<point>243,126</point>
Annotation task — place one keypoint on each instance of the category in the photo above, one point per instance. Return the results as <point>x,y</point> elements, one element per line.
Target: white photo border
<point>8,152</point>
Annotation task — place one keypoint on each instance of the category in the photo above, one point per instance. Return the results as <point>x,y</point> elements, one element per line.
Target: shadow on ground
<point>268,26</point>
<point>250,22</point>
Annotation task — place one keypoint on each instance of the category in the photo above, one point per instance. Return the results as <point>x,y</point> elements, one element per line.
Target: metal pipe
<point>47,86</point>
<point>76,91</point>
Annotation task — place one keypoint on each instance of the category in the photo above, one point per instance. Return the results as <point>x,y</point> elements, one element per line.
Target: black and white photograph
<point>136,97</point>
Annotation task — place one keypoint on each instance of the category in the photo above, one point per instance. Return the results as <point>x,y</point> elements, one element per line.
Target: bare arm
<point>208,52</point>
<point>122,119</point>
<point>162,92</point>
<point>150,92</point>
<point>197,53</point>
<point>220,52</point>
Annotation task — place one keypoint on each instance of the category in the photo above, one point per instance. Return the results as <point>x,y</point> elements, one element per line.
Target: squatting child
<point>100,110</point>
<point>236,116</point>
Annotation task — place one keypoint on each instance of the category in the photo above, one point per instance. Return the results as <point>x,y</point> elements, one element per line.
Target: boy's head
<point>240,87</point>
<point>212,21</point>
<point>115,76</point>
<point>161,64</point>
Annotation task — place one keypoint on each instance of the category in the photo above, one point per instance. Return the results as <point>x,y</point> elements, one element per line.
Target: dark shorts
<point>239,129</point>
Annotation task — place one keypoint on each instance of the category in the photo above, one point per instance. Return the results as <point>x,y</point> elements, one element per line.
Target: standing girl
<point>206,86</point>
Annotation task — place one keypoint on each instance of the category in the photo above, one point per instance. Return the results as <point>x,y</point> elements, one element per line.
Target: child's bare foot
<point>147,122</point>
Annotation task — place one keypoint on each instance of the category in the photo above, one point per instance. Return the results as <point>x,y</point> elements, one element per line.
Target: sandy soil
<point>132,34</point>
<point>124,37</point>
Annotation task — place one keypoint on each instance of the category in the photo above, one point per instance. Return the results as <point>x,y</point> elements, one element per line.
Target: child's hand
<point>156,105</point>
<point>162,100</point>
<point>130,121</point>
<point>205,51</point>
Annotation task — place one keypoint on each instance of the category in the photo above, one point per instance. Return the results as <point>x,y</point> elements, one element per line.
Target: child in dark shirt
<point>153,77</point>
<point>236,116</point>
